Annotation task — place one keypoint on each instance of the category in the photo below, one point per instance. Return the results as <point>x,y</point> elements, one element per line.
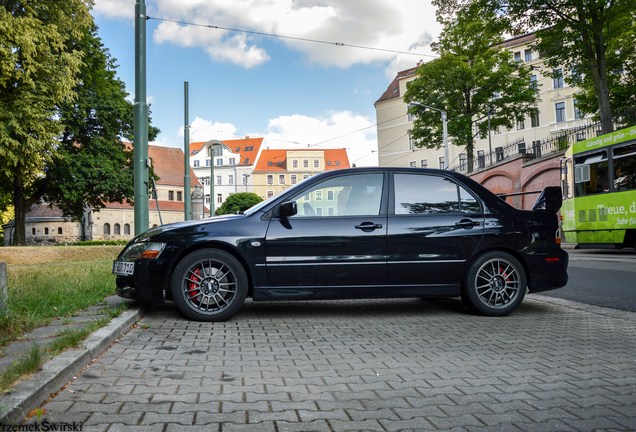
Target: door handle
<point>368,226</point>
<point>466,223</point>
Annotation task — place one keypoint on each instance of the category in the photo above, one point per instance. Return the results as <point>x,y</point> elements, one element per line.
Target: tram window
<point>591,174</point>
<point>567,178</point>
<point>625,167</point>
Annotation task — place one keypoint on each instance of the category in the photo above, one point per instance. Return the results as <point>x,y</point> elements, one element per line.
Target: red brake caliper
<point>193,286</point>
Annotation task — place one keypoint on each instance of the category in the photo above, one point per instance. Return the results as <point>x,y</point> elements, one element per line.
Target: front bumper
<point>149,283</point>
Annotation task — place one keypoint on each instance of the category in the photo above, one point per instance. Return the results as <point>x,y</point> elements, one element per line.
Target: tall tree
<point>472,79</point>
<point>91,165</point>
<point>38,70</point>
<point>594,38</point>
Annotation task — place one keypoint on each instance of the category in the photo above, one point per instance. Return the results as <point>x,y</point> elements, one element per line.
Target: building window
<point>270,179</point>
<point>463,162</point>
<point>499,154</point>
<point>481,159</point>
<point>411,142</point>
<point>295,163</point>
<point>59,230</point>
<point>106,229</point>
<point>46,231</point>
<point>197,163</point>
<point>577,112</point>
<point>534,84</point>
<point>316,163</point>
<point>219,198</point>
<point>117,229</point>
<point>521,124</point>
<point>207,198</point>
<point>219,162</point>
<point>306,163</point>
<point>518,56</point>
<point>534,118</point>
<point>32,231</point>
<point>557,78</point>
<point>281,179</point>
<point>294,179</point>
<point>179,196</point>
<point>442,164</point>
<point>170,195</point>
<point>126,229</point>
<point>305,176</point>
<point>218,180</point>
<point>559,109</point>
<point>413,164</point>
<point>424,163</point>
<point>207,162</point>
<point>232,161</point>
<point>245,179</point>
<point>230,179</point>
<point>536,148</point>
<point>527,55</point>
<point>330,195</point>
<point>270,193</point>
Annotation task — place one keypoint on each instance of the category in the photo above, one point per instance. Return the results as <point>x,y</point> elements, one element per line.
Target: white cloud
<point>341,129</point>
<point>115,8</point>
<point>394,25</point>
<point>204,130</point>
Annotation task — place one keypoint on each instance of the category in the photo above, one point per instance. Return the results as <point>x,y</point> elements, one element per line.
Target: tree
<point>593,38</point>
<point>238,202</point>
<point>92,165</point>
<point>472,79</point>
<point>38,70</point>
<point>86,162</point>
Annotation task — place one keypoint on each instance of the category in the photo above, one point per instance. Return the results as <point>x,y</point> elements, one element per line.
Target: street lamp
<point>444,129</point>
<point>214,144</point>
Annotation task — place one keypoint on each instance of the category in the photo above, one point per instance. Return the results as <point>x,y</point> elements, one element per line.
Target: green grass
<point>27,364</point>
<point>40,292</point>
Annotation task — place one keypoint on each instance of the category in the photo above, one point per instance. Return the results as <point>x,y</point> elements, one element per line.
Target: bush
<point>238,202</point>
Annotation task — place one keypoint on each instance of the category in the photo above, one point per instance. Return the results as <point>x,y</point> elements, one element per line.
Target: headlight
<point>145,250</point>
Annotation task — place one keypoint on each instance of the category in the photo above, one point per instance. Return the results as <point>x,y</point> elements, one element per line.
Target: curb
<point>58,371</point>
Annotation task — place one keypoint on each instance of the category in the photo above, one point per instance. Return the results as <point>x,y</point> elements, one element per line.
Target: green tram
<point>598,179</point>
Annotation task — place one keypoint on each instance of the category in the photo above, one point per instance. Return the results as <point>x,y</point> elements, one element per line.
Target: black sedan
<point>354,233</point>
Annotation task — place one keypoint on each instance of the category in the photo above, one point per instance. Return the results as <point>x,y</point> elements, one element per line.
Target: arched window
<point>106,229</point>
<point>59,231</point>
<point>32,231</point>
<point>117,229</point>
<point>127,229</point>
<point>46,231</point>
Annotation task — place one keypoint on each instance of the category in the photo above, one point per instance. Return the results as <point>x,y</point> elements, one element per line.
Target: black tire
<point>209,285</point>
<point>495,284</point>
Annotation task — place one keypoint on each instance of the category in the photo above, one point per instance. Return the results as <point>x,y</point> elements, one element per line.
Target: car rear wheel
<point>495,284</point>
<point>209,285</point>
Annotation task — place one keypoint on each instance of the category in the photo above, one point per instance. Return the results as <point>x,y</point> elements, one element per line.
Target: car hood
<point>152,232</point>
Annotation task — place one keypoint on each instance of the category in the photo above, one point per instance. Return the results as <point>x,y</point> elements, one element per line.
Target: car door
<point>336,239</point>
<point>435,225</point>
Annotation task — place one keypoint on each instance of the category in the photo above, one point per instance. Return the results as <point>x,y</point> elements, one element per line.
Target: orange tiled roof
<point>168,165</point>
<point>276,160</point>
<point>246,147</point>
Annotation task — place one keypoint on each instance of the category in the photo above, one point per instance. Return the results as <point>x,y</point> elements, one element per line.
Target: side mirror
<point>287,209</point>
<point>550,200</point>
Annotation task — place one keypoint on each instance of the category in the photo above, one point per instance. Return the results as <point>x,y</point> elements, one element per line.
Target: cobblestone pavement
<point>384,365</point>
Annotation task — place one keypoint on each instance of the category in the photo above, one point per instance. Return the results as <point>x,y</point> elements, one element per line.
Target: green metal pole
<point>211,180</point>
<point>187,204</point>
<point>140,154</point>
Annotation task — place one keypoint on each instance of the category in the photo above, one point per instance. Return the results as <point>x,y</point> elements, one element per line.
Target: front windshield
<point>260,205</point>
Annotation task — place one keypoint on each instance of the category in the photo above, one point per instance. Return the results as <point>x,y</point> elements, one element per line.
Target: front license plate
<point>122,268</point>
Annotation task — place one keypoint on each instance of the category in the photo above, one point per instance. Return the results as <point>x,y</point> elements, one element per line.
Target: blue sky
<point>295,94</point>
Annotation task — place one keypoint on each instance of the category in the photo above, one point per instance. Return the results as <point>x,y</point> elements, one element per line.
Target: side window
<point>591,174</point>
<point>348,195</point>
<point>430,194</point>
<point>625,167</point>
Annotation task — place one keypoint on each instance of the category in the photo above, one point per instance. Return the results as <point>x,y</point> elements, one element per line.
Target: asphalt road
<point>601,277</point>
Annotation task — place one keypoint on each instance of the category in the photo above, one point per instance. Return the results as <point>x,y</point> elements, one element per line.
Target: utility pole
<point>187,203</point>
<point>140,149</point>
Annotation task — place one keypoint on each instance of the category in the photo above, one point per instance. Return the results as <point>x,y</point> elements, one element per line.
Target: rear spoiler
<point>550,199</point>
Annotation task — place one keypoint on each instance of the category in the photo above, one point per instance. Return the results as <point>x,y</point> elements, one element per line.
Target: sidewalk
<point>31,392</point>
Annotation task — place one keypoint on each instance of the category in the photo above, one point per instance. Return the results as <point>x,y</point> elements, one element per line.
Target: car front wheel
<point>495,284</point>
<point>209,285</point>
